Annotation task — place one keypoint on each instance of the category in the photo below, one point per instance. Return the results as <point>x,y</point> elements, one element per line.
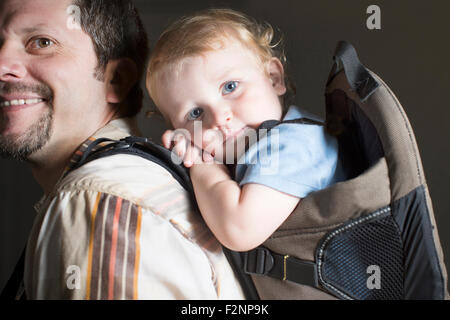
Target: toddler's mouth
<point>234,134</point>
<point>234,144</point>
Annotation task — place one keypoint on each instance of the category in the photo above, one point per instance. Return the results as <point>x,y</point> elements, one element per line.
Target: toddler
<point>216,77</point>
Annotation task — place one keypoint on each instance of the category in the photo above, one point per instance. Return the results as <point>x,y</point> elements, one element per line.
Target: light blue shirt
<point>296,159</point>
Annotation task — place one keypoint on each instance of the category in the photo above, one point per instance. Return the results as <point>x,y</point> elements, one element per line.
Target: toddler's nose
<point>222,118</point>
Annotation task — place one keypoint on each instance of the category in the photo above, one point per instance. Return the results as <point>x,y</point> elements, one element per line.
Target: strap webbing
<point>262,261</point>
<point>358,77</point>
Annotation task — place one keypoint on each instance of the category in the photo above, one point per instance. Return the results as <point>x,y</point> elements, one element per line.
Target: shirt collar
<point>296,112</point>
<point>115,130</point>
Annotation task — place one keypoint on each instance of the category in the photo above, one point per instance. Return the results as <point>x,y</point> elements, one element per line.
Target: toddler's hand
<point>184,148</point>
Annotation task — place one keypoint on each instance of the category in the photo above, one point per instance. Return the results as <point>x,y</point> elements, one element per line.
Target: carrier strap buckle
<point>262,261</point>
<point>258,261</point>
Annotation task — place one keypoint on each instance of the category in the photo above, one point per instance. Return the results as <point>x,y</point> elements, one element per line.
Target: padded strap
<point>359,78</point>
<point>269,124</point>
<point>137,146</point>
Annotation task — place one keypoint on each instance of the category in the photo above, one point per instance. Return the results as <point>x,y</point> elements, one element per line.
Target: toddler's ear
<point>276,74</point>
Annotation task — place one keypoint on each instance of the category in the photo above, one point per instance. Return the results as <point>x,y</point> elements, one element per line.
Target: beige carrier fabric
<point>396,134</point>
<point>300,234</point>
<point>399,144</point>
<point>391,178</point>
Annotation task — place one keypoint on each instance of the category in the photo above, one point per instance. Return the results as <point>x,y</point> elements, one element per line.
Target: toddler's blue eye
<point>194,114</point>
<point>230,87</point>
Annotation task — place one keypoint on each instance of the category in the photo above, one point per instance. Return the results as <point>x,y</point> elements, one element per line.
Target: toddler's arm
<point>240,218</point>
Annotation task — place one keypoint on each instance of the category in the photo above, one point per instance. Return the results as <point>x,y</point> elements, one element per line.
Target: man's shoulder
<point>127,176</point>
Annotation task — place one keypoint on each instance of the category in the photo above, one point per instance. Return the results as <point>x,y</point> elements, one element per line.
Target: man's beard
<point>20,147</point>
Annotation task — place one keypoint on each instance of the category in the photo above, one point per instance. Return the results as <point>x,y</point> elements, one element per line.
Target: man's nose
<point>11,66</point>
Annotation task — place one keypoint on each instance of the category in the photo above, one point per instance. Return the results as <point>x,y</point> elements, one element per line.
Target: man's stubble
<point>20,147</point>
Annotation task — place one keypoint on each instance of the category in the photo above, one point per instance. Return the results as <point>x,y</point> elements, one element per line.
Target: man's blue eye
<point>194,114</point>
<point>230,87</point>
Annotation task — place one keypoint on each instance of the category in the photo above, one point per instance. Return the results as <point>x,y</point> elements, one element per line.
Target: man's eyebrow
<point>35,28</point>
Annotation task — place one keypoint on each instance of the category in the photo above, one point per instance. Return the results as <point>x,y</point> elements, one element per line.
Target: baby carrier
<point>372,236</point>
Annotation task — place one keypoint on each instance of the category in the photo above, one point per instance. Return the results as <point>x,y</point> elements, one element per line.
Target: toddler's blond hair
<point>202,32</point>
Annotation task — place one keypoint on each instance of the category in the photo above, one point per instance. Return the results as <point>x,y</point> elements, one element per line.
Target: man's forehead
<point>28,14</point>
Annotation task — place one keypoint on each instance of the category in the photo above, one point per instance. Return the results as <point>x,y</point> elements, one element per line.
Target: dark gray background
<point>410,53</point>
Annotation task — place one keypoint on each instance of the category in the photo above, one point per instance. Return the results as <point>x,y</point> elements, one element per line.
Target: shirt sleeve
<point>97,246</point>
<point>114,249</point>
<point>134,254</point>
<point>291,158</point>
<point>122,227</point>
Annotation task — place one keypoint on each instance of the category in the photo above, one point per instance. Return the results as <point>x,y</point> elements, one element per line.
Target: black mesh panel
<point>348,252</point>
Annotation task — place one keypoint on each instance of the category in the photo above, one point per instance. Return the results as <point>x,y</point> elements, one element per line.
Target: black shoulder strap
<point>14,287</point>
<point>269,124</point>
<point>359,78</point>
<point>142,147</point>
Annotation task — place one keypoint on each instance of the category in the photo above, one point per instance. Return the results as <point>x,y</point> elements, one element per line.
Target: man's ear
<point>120,77</point>
<point>276,74</point>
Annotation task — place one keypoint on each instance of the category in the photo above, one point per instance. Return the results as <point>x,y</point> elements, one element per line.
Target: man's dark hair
<point>117,32</point>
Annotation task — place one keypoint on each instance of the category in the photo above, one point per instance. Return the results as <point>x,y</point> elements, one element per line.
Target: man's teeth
<point>20,102</point>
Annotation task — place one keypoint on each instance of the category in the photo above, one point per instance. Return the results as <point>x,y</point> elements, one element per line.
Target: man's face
<point>48,90</point>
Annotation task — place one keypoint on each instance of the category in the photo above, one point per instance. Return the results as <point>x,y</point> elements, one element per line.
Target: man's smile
<point>19,102</point>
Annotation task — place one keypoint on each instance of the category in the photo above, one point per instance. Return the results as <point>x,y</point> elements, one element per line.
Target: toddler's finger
<point>207,157</point>
<point>180,145</point>
<point>167,139</point>
<point>193,156</point>
<point>188,157</point>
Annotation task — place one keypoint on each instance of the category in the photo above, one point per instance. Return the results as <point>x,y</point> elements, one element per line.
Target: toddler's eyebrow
<point>224,74</point>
